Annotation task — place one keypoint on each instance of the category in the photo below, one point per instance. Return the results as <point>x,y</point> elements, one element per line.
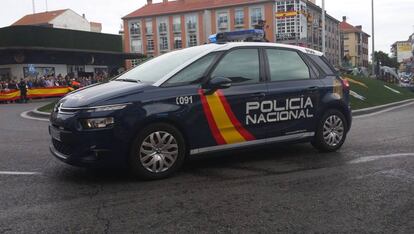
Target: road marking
<point>18,173</point>
<point>392,90</point>
<point>377,157</point>
<point>383,111</point>
<point>26,116</point>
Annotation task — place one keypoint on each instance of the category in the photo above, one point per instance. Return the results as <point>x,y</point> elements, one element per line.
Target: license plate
<point>55,134</point>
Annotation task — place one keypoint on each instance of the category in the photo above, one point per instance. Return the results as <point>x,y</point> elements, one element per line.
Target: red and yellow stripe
<point>36,93</point>
<point>223,124</point>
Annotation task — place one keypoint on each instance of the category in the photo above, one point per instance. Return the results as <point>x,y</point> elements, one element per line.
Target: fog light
<point>97,123</point>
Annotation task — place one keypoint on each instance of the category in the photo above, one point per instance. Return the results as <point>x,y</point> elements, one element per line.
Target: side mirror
<point>218,83</point>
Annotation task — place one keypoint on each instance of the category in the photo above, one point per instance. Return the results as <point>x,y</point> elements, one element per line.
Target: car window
<point>193,73</point>
<point>240,66</point>
<point>323,63</point>
<point>286,65</point>
<point>156,68</point>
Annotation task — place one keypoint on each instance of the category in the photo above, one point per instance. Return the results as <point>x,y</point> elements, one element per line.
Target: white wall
<point>71,20</point>
<point>91,68</point>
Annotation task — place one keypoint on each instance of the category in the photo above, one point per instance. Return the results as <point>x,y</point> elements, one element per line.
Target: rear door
<point>294,94</point>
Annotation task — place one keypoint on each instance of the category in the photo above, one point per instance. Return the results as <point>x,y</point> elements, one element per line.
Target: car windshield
<point>156,68</point>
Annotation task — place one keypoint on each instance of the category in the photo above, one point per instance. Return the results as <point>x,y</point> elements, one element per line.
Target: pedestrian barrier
<point>13,95</point>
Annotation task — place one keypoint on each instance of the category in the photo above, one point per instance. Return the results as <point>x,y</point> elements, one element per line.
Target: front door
<point>226,109</point>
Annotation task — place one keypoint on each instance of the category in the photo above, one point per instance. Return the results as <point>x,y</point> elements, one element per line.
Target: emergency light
<point>257,35</point>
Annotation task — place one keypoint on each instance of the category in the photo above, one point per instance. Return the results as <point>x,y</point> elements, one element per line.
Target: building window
<point>177,24</point>
<point>222,21</point>
<point>162,28</point>
<point>136,45</point>
<point>239,17</point>
<point>255,16</point>
<point>135,29</point>
<point>148,27</point>
<point>191,21</point>
<point>192,40</point>
<point>178,42</point>
<point>163,43</point>
<point>150,43</point>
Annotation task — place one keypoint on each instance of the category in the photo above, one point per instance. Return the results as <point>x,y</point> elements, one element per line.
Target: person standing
<point>23,91</point>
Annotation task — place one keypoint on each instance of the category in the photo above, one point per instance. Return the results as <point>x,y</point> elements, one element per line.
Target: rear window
<point>323,63</point>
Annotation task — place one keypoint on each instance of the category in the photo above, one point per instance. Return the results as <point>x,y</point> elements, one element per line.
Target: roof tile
<point>39,18</point>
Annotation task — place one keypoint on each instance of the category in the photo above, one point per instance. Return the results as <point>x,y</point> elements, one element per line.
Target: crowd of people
<point>48,82</point>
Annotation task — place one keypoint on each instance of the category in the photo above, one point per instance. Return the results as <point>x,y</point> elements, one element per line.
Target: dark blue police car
<point>203,99</point>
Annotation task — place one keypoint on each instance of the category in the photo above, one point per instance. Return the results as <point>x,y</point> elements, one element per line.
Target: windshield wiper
<point>129,80</point>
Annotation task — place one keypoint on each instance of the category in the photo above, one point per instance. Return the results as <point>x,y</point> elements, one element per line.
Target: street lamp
<point>323,28</point>
<point>373,38</point>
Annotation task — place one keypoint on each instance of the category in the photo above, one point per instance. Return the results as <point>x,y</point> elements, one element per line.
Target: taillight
<point>345,83</point>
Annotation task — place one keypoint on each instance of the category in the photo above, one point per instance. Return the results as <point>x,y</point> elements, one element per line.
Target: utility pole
<point>33,5</point>
<point>373,38</point>
<point>323,28</point>
<point>46,6</point>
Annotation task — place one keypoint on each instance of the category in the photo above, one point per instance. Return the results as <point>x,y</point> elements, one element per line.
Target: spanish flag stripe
<point>212,124</point>
<point>224,124</point>
<point>246,135</point>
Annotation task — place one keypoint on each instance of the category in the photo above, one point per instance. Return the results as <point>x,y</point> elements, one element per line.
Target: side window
<point>323,64</point>
<point>193,73</point>
<point>286,65</point>
<point>241,66</point>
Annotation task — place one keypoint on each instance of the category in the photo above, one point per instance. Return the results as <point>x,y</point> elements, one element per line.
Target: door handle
<point>312,89</point>
<point>258,96</point>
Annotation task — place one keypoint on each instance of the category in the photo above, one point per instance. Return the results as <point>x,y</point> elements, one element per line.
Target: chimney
<point>359,27</point>
<point>149,2</point>
<point>84,16</point>
<point>164,1</point>
<point>343,18</point>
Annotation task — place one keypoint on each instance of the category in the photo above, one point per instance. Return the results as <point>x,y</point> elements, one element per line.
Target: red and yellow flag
<point>223,124</point>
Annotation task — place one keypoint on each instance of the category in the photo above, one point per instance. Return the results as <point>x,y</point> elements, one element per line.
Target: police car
<point>203,99</point>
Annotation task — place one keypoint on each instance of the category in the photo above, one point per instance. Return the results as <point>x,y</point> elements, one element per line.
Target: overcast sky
<point>394,18</point>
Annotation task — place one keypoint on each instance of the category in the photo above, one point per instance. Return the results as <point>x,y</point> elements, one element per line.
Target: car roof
<point>231,45</point>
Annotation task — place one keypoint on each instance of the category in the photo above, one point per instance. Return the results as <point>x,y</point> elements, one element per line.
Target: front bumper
<point>87,149</point>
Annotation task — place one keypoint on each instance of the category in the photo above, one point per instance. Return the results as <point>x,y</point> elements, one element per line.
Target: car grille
<point>62,147</point>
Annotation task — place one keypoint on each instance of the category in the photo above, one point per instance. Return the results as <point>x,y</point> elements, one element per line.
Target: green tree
<point>385,59</point>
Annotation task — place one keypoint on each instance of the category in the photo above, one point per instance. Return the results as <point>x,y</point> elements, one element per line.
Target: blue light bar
<point>242,35</point>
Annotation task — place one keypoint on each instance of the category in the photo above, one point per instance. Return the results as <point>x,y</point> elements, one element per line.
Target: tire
<point>157,152</point>
<point>331,131</point>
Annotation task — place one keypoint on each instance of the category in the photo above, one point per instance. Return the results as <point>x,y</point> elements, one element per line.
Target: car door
<point>226,109</point>
<point>294,93</point>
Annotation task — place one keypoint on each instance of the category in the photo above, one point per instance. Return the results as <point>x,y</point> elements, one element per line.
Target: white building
<point>64,19</point>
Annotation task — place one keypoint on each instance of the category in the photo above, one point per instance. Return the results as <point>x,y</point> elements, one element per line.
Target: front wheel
<point>157,152</point>
<point>331,132</point>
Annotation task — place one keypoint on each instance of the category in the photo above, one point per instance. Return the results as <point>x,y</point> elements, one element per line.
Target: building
<point>402,50</point>
<point>157,28</point>
<point>41,51</point>
<point>64,19</point>
<point>354,47</point>
<point>300,23</point>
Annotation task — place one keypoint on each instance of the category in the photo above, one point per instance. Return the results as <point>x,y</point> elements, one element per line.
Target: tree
<point>385,59</point>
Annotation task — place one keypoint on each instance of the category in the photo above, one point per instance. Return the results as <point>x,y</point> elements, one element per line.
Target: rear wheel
<point>157,152</point>
<point>331,131</point>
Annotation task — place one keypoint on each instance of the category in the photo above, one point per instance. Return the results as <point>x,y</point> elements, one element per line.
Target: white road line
<point>382,111</point>
<point>392,90</point>
<point>26,116</point>
<point>378,157</point>
<point>18,173</point>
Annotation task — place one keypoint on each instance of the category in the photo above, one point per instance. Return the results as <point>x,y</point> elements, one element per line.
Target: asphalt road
<point>368,186</point>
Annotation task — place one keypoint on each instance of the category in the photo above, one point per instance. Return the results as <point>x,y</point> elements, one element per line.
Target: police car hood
<point>102,94</point>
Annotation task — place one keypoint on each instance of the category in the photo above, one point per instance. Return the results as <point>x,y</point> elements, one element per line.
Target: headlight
<point>97,123</point>
<point>106,108</point>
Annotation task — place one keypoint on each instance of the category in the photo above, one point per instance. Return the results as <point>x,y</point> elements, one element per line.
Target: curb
<point>40,113</point>
<point>386,107</point>
<point>31,115</point>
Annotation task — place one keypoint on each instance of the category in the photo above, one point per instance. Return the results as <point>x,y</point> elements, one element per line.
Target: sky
<point>394,19</point>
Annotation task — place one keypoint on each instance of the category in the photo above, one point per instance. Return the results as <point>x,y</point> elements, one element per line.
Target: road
<point>367,186</point>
